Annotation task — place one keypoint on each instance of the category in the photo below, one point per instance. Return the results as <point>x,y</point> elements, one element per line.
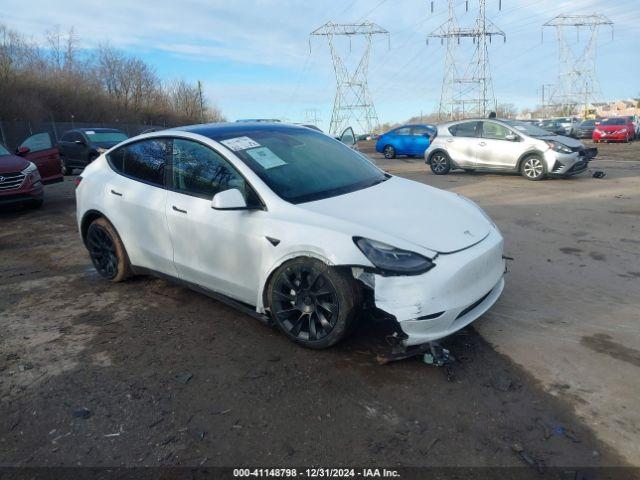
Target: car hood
<point>12,164</point>
<point>568,141</point>
<point>433,219</point>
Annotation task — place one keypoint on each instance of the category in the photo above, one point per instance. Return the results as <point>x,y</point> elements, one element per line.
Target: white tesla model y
<point>292,226</point>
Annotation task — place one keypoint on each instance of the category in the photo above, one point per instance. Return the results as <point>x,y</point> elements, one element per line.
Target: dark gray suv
<point>82,146</point>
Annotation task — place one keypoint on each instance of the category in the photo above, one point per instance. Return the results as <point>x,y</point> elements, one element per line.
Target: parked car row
<point>623,128</point>
<point>39,161</point>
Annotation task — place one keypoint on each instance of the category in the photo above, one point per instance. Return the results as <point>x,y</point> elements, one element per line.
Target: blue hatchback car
<point>411,140</point>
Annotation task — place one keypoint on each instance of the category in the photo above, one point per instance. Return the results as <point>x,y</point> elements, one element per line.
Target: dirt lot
<point>170,377</point>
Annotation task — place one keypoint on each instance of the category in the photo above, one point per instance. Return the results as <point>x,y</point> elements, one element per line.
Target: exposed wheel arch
<point>437,150</point>
<point>526,155</point>
<point>281,261</point>
<point>88,217</point>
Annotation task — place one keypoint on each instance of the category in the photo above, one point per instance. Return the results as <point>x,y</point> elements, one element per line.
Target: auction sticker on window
<point>240,143</point>
<point>266,158</point>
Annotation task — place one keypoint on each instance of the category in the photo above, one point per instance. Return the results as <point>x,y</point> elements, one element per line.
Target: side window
<point>420,131</point>
<point>67,137</point>
<point>466,129</point>
<point>38,142</point>
<point>199,171</point>
<point>144,161</point>
<point>494,131</point>
<point>403,131</point>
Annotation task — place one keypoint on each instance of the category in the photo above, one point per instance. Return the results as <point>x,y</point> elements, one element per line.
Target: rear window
<point>466,129</point>
<point>144,160</point>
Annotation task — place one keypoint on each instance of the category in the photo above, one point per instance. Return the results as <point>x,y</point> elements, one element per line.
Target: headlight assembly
<point>558,147</point>
<point>392,260</point>
<point>30,169</point>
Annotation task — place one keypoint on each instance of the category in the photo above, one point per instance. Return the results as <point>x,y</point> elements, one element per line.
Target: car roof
<point>215,130</point>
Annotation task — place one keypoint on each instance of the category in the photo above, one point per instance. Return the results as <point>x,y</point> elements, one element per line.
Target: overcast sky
<point>254,60</point>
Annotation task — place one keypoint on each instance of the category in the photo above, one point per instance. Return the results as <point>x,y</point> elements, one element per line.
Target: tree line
<point>59,81</point>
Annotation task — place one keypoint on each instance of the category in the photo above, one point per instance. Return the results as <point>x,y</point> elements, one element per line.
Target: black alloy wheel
<point>305,303</point>
<point>102,250</point>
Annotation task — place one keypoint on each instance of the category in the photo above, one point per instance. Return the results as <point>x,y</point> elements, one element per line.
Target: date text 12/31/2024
<point>315,473</point>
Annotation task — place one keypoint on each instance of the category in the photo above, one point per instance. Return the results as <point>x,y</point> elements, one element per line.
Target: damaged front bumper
<point>431,306</point>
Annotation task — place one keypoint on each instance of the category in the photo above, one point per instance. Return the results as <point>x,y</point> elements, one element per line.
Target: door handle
<point>179,209</point>
<point>482,144</point>
<point>116,193</point>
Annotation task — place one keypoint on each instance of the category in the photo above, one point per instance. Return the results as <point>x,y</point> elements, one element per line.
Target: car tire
<point>66,170</point>
<point>389,152</point>
<point>107,252</point>
<point>315,305</point>
<point>533,168</point>
<point>440,163</point>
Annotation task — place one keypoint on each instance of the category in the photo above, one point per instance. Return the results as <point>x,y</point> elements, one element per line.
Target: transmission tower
<point>577,82</point>
<point>467,88</point>
<point>353,100</point>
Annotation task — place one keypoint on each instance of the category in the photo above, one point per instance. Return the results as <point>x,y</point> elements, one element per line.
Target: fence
<point>13,133</point>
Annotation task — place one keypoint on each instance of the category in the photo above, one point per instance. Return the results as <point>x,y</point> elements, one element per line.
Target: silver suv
<point>506,145</point>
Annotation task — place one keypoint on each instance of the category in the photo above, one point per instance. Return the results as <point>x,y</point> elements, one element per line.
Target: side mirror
<point>512,137</point>
<point>22,150</point>
<point>231,199</point>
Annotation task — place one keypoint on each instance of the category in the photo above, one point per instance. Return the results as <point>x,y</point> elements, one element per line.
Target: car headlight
<point>392,260</point>
<point>558,147</point>
<point>30,169</point>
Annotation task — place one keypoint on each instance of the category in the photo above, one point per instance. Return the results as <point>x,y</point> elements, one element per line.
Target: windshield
<point>105,137</point>
<point>613,121</point>
<point>3,151</point>
<point>302,165</point>
<point>529,129</point>
<point>588,123</point>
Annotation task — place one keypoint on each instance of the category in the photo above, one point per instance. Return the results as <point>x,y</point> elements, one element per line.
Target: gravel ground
<point>147,373</point>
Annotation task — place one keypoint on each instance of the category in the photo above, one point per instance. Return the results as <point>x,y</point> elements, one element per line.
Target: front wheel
<point>533,168</point>
<point>313,304</point>
<point>107,251</point>
<point>440,163</point>
<point>389,152</point>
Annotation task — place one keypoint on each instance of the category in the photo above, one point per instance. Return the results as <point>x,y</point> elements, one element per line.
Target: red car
<point>614,129</point>
<point>20,181</point>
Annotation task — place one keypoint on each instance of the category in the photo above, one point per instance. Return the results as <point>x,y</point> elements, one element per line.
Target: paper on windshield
<point>266,158</point>
<point>90,132</point>
<point>240,143</point>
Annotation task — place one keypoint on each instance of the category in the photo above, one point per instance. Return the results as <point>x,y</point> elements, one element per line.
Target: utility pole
<point>577,80</point>
<point>544,105</point>
<point>201,100</point>
<point>474,86</point>
<point>353,99</point>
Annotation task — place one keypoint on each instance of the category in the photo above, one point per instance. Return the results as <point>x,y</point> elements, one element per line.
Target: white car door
<point>135,201</point>
<point>217,249</point>
<point>462,144</point>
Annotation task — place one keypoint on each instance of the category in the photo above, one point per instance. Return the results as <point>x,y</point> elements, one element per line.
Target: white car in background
<point>291,226</point>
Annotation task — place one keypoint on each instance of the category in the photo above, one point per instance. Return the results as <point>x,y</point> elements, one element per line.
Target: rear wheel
<point>533,168</point>
<point>389,152</point>
<point>107,251</point>
<point>313,304</point>
<point>440,163</point>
